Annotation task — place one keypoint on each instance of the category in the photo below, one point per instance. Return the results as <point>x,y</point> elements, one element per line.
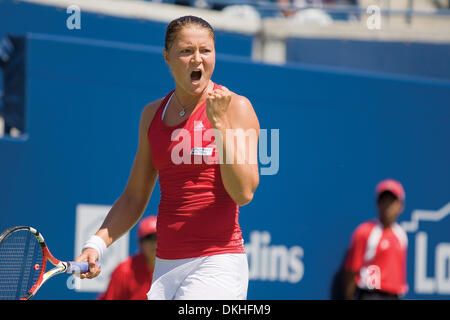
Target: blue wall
<point>405,58</point>
<point>20,17</point>
<point>339,133</point>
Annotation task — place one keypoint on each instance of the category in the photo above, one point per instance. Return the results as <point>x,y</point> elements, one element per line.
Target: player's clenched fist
<point>217,105</point>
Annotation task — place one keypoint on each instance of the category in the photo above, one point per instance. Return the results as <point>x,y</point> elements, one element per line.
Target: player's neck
<point>186,99</point>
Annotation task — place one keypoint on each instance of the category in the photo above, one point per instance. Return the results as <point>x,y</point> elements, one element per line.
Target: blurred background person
<point>375,266</point>
<point>131,280</point>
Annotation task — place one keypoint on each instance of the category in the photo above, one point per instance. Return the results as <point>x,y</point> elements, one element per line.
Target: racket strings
<point>20,264</point>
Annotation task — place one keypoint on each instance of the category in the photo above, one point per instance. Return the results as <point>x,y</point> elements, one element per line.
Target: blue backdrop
<point>339,134</point>
<point>425,59</point>
<point>21,17</point>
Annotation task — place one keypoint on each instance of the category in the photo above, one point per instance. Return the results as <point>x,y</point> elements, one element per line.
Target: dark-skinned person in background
<point>375,265</point>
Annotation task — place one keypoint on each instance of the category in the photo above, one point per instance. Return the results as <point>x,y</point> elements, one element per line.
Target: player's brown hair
<point>175,26</point>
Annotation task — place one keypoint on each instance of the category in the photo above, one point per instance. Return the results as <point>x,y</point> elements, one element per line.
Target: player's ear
<point>166,56</point>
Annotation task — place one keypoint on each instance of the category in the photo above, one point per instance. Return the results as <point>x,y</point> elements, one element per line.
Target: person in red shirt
<point>375,265</point>
<point>200,142</point>
<point>131,280</point>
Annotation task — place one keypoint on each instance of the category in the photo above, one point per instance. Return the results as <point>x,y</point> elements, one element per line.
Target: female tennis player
<point>203,181</point>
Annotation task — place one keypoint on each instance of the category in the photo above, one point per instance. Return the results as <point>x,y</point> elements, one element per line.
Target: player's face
<point>191,59</point>
<point>389,209</point>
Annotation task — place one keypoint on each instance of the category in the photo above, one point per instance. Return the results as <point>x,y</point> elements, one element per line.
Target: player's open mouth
<point>196,75</point>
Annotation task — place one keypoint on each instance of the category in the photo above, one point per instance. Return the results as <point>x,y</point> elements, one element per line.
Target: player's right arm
<point>130,205</point>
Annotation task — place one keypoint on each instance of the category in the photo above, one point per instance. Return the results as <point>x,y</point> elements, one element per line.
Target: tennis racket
<point>23,259</point>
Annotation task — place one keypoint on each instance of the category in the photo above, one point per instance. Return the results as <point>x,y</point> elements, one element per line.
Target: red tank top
<point>196,215</point>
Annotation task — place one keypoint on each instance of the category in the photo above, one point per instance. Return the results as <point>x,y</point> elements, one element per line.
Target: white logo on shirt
<point>199,126</point>
<point>384,244</point>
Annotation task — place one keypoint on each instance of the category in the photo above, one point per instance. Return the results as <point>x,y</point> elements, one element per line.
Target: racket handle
<point>77,267</point>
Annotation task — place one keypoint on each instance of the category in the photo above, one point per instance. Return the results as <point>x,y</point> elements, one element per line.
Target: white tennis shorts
<point>216,277</point>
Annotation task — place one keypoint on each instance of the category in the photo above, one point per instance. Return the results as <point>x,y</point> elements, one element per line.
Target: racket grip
<point>77,267</point>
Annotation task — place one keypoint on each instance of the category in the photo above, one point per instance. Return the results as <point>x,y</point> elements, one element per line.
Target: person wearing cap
<point>131,280</point>
<point>375,265</point>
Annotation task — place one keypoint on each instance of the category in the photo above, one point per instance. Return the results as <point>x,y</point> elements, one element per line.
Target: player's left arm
<point>237,133</point>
